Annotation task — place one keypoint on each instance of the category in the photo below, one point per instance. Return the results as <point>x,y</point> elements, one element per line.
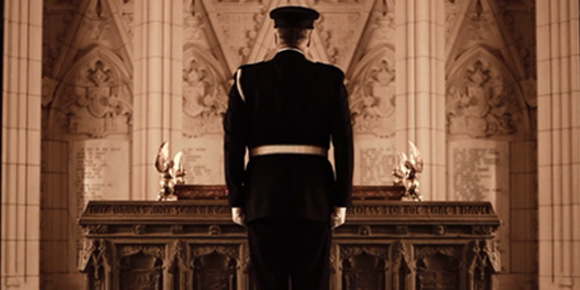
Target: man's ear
<point>276,40</point>
<point>309,38</point>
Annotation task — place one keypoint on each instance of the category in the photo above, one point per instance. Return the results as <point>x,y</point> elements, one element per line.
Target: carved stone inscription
<point>478,170</point>
<point>203,160</point>
<point>376,159</point>
<point>99,169</point>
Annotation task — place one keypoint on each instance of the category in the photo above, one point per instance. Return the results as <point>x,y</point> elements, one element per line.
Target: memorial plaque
<point>374,160</point>
<point>203,160</point>
<point>478,170</point>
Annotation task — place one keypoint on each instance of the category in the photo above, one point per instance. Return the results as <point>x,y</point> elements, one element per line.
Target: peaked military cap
<point>294,16</point>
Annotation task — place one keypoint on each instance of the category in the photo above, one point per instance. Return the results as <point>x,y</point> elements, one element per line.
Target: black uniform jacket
<point>288,100</point>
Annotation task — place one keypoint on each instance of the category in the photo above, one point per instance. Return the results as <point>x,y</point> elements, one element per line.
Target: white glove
<point>338,217</point>
<point>238,216</point>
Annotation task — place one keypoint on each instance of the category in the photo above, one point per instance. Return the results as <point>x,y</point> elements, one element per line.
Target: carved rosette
<point>204,93</point>
<point>482,99</point>
<point>372,94</point>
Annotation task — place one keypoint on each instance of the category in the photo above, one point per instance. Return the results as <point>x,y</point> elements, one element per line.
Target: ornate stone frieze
<point>420,209</point>
<point>482,101</point>
<point>156,209</point>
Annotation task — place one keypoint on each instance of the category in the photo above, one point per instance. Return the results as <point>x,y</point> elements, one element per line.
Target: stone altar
<point>385,244</point>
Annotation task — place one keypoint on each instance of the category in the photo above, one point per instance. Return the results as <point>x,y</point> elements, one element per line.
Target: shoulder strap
<point>239,84</point>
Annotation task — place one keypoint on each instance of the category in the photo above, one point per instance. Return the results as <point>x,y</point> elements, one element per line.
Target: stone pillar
<point>20,193</point>
<point>420,88</point>
<point>157,89</point>
<point>558,143</point>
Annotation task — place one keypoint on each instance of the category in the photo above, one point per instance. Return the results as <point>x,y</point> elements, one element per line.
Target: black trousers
<point>295,250</point>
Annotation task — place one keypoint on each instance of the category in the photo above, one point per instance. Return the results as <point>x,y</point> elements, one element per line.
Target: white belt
<point>288,149</point>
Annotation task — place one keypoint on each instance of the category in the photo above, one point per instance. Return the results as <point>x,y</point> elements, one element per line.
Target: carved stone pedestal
<point>192,244</point>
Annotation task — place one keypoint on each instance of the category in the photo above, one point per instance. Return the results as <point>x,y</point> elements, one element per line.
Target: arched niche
<point>94,99</point>
<point>484,98</point>
<point>371,89</point>
<point>205,87</point>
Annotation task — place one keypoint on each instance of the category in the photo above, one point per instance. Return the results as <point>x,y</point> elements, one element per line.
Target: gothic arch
<point>94,97</point>
<point>484,98</point>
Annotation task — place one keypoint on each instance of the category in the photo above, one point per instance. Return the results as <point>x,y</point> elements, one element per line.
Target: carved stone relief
<point>364,267</point>
<point>215,267</point>
<point>372,95</point>
<point>204,94</point>
<point>94,100</point>
<point>482,100</point>
<point>239,32</point>
<point>141,266</point>
<point>437,267</point>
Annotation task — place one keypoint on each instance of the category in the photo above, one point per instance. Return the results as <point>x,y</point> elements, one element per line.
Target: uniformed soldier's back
<point>290,100</point>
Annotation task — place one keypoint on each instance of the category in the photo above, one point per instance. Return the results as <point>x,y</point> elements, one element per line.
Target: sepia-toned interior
<point>488,90</point>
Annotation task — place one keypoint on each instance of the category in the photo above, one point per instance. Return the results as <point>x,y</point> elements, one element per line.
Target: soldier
<point>286,111</point>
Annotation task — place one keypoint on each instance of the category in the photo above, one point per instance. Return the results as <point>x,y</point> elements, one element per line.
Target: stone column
<point>20,193</point>
<point>558,143</point>
<point>157,89</point>
<point>420,88</point>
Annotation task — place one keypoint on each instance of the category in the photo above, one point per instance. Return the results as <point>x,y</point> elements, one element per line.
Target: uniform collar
<point>290,49</point>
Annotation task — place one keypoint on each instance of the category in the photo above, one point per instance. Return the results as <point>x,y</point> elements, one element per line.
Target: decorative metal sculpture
<point>407,171</point>
<point>171,170</point>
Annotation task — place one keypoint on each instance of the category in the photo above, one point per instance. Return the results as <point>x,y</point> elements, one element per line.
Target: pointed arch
<point>495,105</point>
<point>98,73</point>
